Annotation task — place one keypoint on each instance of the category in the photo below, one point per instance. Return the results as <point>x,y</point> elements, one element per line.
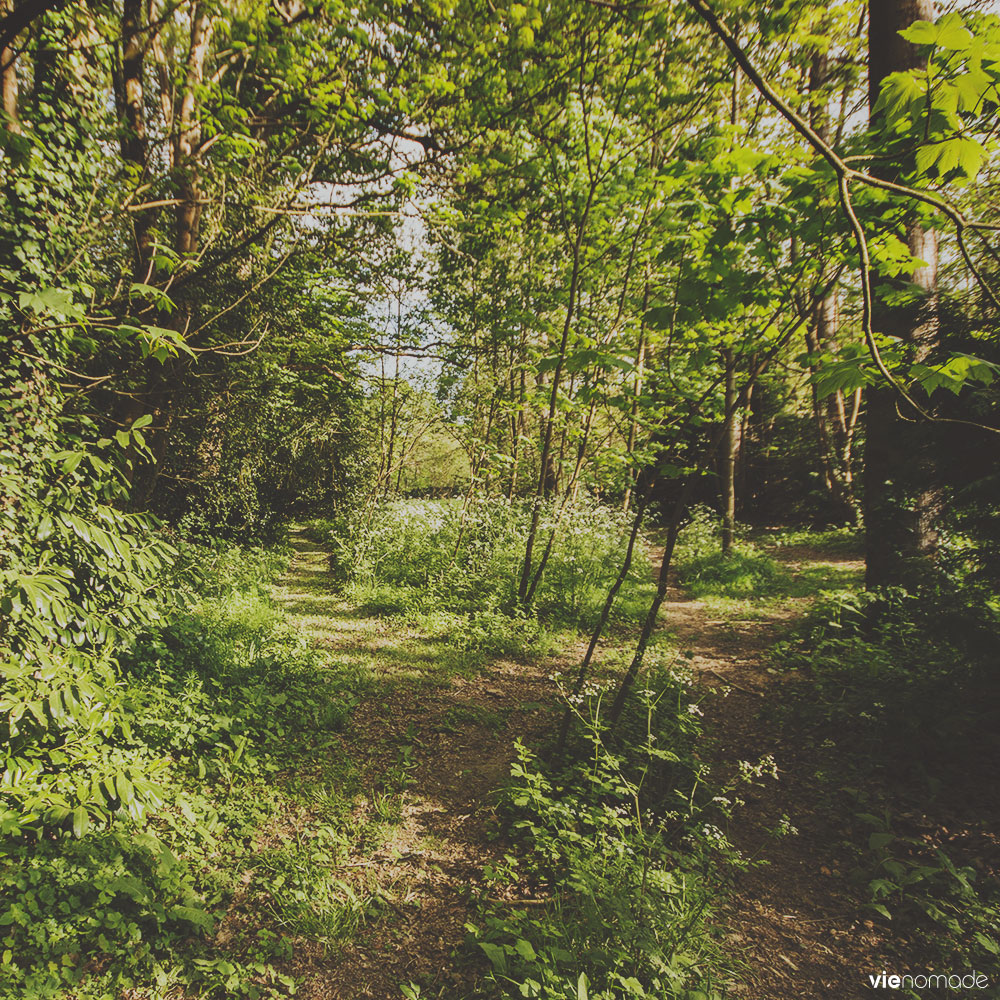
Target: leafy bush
<point>79,578</point>
<point>624,846</point>
<point>467,557</point>
<point>905,684</point>
<point>73,906</point>
<point>957,917</point>
<point>201,712</point>
<point>910,670</point>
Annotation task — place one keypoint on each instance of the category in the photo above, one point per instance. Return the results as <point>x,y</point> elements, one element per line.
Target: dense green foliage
<point>205,710</point>
<point>625,855</point>
<point>907,683</point>
<point>465,556</point>
<point>506,296</point>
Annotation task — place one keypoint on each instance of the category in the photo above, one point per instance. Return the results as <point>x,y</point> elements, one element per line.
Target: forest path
<point>432,739</point>
<point>795,919</point>
<point>437,734</point>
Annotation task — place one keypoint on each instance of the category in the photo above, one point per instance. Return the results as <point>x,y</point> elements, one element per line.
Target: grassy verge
<point>762,574</point>
<point>225,706</point>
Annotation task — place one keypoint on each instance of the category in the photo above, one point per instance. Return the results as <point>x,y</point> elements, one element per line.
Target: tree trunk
<point>8,75</point>
<point>132,116</point>
<point>902,500</point>
<point>633,424</point>
<point>730,449</point>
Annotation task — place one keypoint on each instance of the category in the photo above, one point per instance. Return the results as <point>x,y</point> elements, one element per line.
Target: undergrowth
<point>750,570</point>
<point>903,687</point>
<point>623,845</point>
<point>212,705</point>
<point>466,556</point>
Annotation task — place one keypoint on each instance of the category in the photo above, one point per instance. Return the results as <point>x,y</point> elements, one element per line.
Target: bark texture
<point>902,498</point>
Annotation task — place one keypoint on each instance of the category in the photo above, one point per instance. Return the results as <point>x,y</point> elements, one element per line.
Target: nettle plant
<point>626,847</point>
<point>78,576</point>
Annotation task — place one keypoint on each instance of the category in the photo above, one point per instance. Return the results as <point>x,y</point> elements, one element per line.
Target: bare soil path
<point>793,922</point>
<point>795,918</point>
<point>454,731</point>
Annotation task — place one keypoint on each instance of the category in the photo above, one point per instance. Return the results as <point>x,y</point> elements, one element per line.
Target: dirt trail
<point>795,919</point>
<point>799,931</point>
<point>459,730</point>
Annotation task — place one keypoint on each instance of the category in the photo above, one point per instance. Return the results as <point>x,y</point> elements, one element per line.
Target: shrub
<point>467,556</point>
<point>178,747</point>
<point>901,668</point>
<point>624,846</point>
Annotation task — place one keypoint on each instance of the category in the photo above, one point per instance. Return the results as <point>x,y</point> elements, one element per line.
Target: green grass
<point>830,541</point>
<point>239,718</point>
<point>742,573</point>
<point>753,579</point>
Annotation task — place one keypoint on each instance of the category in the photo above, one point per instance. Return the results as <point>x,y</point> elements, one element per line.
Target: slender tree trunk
<point>8,75</point>
<point>567,497</point>
<point>730,449</point>
<point>678,512</point>
<point>132,116</point>
<point>187,172</point>
<point>164,383</point>
<point>545,472</point>
<point>652,616</point>
<point>602,620</point>
<point>633,423</point>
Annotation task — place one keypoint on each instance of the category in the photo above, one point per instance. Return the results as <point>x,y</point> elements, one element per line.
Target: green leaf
<point>634,987</point>
<point>55,302</point>
<point>495,954</point>
<point>899,93</point>
<point>948,33</point>
<point>921,33</point>
<point>952,34</point>
<point>156,295</point>
<point>81,821</point>
<point>988,943</point>
<point>193,915</point>
<point>525,950</point>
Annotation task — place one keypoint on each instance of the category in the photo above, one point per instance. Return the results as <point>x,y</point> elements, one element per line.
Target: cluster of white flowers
<point>785,828</point>
<point>765,767</point>
<point>714,836</point>
<point>694,709</point>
